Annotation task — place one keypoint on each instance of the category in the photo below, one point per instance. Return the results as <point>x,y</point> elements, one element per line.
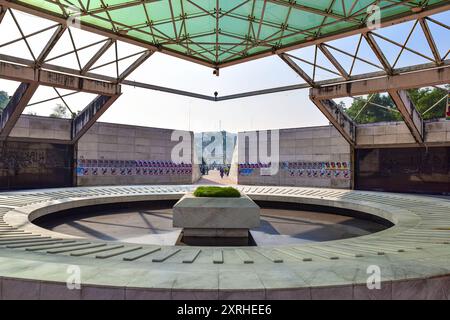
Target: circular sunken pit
<point>413,255</point>
<point>151,223</point>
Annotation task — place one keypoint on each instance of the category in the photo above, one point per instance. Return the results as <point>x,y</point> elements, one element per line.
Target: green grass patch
<point>217,192</point>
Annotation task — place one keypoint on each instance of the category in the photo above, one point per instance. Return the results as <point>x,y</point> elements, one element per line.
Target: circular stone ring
<point>410,260</point>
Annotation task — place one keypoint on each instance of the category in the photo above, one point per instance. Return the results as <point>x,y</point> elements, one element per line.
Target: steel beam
<point>168,90</point>
<point>310,9</point>
<point>411,116</point>
<point>434,49</point>
<point>99,77</point>
<point>378,52</point>
<point>428,11</point>
<point>112,7</point>
<point>263,91</point>
<point>353,82</point>
<point>338,118</point>
<point>89,115</point>
<point>2,13</point>
<point>408,80</point>
<point>53,79</point>
<point>330,82</point>
<point>101,31</point>
<point>97,56</point>
<point>50,45</point>
<point>15,107</point>
<point>333,61</point>
<point>297,69</point>
<point>134,65</point>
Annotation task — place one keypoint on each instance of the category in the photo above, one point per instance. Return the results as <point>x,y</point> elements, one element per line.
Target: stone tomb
<point>216,218</point>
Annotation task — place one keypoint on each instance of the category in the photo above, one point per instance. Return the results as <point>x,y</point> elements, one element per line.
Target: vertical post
<point>353,167</point>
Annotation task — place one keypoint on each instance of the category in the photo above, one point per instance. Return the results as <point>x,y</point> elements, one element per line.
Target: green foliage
<point>4,99</point>
<point>59,111</point>
<point>372,113</point>
<point>217,192</point>
<point>423,99</point>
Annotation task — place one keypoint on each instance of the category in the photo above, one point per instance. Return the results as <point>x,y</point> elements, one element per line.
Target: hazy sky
<point>157,109</point>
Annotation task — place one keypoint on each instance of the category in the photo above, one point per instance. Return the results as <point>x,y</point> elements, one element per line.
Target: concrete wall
<point>388,133</point>
<point>306,154</point>
<point>41,128</point>
<point>308,150</point>
<point>26,165</point>
<point>308,157</point>
<point>196,174</point>
<point>107,146</point>
<point>120,147</point>
<point>405,169</point>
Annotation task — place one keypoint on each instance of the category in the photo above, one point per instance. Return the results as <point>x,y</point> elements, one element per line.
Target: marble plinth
<point>216,217</point>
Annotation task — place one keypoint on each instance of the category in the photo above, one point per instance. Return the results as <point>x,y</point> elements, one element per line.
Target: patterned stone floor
<point>413,256</point>
<point>213,178</point>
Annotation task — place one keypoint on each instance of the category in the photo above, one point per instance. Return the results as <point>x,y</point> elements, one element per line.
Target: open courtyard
<point>224,150</point>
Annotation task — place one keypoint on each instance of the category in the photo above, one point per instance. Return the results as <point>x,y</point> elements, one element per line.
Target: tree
<point>4,99</point>
<point>423,99</point>
<point>59,111</point>
<point>379,109</point>
<point>426,98</point>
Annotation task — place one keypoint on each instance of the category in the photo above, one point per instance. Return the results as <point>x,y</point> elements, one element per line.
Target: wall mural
<point>35,165</point>
<point>247,169</point>
<point>102,167</point>
<point>22,158</point>
<point>418,170</point>
<point>329,169</point>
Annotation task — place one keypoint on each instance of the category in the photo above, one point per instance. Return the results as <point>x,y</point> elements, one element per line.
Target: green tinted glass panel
<point>222,31</point>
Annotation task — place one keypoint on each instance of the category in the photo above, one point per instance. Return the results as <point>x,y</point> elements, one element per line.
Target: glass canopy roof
<point>221,32</point>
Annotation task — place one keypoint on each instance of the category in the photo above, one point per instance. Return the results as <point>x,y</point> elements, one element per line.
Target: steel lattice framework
<point>222,33</point>
<point>218,33</point>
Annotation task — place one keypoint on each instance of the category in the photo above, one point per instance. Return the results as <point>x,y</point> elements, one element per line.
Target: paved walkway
<point>213,178</point>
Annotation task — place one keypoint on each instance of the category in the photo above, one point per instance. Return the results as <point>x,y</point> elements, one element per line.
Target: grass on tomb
<point>217,192</point>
